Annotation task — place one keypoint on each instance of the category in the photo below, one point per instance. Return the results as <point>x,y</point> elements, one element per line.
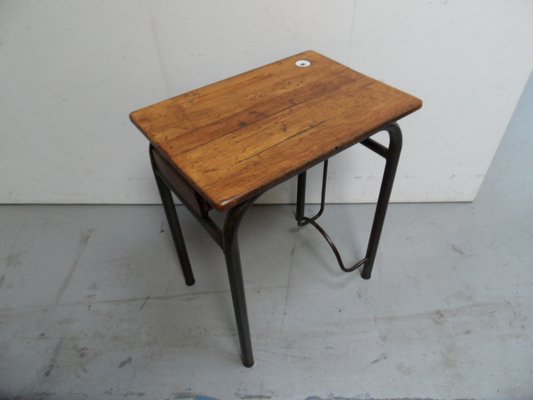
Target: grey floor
<point>93,304</point>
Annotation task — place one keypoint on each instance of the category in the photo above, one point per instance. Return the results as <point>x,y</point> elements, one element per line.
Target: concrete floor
<point>93,304</point>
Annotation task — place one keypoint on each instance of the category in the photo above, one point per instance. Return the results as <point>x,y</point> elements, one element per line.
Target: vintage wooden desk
<point>223,145</point>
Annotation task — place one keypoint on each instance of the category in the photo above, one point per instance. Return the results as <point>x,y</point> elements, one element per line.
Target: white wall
<point>71,71</point>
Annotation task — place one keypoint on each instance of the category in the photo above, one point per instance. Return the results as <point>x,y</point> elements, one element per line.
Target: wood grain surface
<point>240,136</point>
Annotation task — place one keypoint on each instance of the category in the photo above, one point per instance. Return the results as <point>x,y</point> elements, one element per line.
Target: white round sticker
<point>302,63</point>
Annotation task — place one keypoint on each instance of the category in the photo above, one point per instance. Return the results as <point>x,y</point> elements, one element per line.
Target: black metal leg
<point>300,196</point>
<point>392,157</point>
<point>174,224</point>
<point>233,263</point>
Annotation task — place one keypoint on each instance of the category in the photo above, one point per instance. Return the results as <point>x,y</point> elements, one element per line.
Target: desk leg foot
<point>392,157</point>
<point>233,264</point>
<point>366,275</point>
<point>174,224</point>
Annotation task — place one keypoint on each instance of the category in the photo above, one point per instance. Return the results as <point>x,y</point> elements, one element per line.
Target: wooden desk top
<point>240,136</point>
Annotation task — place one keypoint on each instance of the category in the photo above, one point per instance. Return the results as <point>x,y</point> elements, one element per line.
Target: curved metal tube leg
<point>174,224</point>
<point>233,264</point>
<point>392,157</point>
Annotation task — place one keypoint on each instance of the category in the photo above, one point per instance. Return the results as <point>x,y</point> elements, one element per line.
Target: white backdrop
<point>71,71</point>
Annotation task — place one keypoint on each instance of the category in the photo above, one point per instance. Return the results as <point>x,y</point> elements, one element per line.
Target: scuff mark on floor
<point>515,316</point>
<point>185,296</point>
<point>144,303</point>
<point>13,259</point>
<point>458,250</point>
<point>83,244</point>
<point>289,276</point>
<point>53,360</point>
<point>189,396</point>
<point>40,395</point>
<point>382,357</point>
<point>125,362</point>
<point>370,398</point>
<point>441,315</point>
<point>134,394</point>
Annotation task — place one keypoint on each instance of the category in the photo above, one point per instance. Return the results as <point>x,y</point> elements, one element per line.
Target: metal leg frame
<point>174,224</point>
<point>233,264</point>
<point>227,239</point>
<point>392,156</point>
